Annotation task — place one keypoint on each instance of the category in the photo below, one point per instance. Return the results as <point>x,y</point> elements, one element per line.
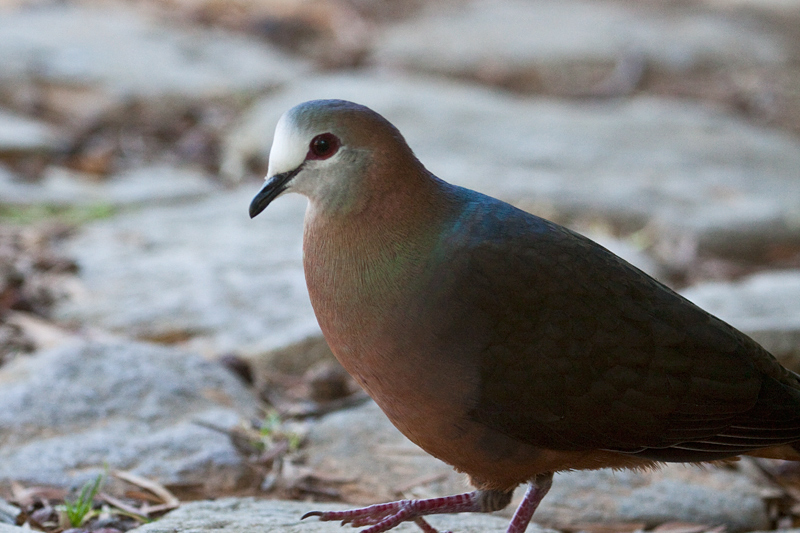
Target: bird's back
<point>582,351</point>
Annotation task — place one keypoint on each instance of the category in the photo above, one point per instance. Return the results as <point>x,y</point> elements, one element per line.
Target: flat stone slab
<point>362,446</point>
<point>198,270</point>
<point>83,56</point>
<point>565,44</point>
<point>245,515</point>
<point>711,496</point>
<point>373,461</point>
<point>7,179</point>
<point>774,6</point>
<point>679,164</point>
<point>21,135</point>
<point>68,414</point>
<point>766,306</point>
<point>8,513</point>
<point>144,185</point>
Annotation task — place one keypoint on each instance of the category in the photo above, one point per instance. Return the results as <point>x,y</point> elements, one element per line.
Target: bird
<point>504,344</point>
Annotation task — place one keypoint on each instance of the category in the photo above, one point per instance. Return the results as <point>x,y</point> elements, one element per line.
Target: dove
<point>504,344</point>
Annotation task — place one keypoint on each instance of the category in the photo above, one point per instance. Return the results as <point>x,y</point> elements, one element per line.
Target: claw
<point>385,516</point>
<point>366,516</point>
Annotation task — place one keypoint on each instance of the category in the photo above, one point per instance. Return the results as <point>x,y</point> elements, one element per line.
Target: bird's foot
<point>385,516</point>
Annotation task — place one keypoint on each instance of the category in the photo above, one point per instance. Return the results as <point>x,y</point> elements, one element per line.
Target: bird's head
<point>331,151</point>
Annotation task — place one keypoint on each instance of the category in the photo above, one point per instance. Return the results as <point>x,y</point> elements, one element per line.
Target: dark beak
<point>270,190</point>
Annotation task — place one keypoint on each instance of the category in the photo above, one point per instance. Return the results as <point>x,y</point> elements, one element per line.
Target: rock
<point>69,413</point>
<point>373,462</point>
<point>83,61</point>
<point>685,166</point>
<point>143,185</point>
<point>12,187</point>
<point>789,7</point>
<point>5,176</point>
<point>766,306</point>
<point>21,135</point>
<point>294,359</point>
<point>8,513</point>
<point>245,515</point>
<point>200,271</point>
<point>712,496</point>
<point>559,46</point>
<point>5,528</point>
<point>8,180</point>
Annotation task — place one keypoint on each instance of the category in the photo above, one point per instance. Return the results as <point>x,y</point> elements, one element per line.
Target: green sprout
<point>80,510</point>
<point>273,430</point>
<point>295,441</point>
<point>271,424</point>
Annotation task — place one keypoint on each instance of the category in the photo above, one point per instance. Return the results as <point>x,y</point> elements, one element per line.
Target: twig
<point>119,504</point>
<point>158,489</point>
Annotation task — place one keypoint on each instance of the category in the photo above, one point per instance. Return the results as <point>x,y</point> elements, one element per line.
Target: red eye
<point>323,146</point>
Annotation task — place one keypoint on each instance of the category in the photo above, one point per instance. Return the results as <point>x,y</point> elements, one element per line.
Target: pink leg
<point>533,496</point>
<point>385,516</point>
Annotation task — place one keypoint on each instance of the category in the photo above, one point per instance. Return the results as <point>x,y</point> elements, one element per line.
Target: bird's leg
<point>385,516</point>
<point>537,489</point>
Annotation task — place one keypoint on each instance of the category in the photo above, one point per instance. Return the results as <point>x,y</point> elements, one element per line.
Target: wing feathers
<point>583,351</point>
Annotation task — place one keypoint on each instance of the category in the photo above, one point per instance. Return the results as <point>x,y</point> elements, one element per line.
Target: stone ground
<point>245,515</point>
<point>132,282</point>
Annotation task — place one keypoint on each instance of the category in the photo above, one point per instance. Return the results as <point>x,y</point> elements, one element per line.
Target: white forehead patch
<point>289,148</point>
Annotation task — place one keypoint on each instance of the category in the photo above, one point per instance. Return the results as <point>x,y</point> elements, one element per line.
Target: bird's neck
<point>360,266</point>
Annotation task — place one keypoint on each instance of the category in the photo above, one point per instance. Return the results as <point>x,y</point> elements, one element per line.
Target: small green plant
<point>271,424</point>
<point>80,510</point>
<point>273,429</point>
<point>295,441</point>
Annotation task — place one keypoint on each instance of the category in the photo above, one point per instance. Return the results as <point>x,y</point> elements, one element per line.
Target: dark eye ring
<point>323,146</point>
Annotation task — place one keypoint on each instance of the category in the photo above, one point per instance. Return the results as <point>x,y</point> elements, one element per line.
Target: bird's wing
<point>581,350</point>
